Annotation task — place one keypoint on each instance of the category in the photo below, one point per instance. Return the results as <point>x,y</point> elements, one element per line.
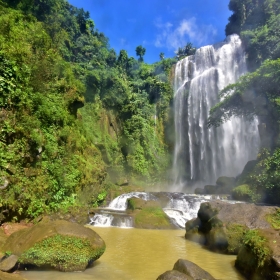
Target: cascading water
<point>201,155</point>
<point>179,207</point>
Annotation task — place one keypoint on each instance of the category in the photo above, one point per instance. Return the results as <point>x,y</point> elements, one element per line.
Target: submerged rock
<point>191,269</point>
<point>8,263</point>
<point>174,275</point>
<point>59,244</point>
<point>186,270</point>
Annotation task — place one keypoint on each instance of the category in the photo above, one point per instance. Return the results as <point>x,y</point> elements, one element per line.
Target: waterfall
<point>201,155</point>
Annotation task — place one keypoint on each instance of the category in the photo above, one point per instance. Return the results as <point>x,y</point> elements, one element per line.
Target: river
<point>141,254</point>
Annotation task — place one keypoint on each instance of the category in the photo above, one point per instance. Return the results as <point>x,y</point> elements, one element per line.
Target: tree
<point>189,49</point>
<point>161,56</point>
<point>140,51</point>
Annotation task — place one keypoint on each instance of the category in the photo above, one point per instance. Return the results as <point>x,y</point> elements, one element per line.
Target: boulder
<point>210,189</point>
<point>8,263</point>
<point>192,270</point>
<point>174,275</point>
<point>242,192</point>
<point>259,257</point>
<point>199,191</point>
<point>225,184</point>
<point>3,238</point>
<point>59,244</point>
<point>248,168</point>
<point>221,226</point>
<point>148,214</point>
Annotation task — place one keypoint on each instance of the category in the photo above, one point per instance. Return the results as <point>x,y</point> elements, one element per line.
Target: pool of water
<point>141,254</point>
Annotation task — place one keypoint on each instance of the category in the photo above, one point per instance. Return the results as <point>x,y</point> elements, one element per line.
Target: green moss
<point>66,253</point>
<point>274,219</point>
<point>243,192</point>
<point>257,245</point>
<point>235,234</point>
<point>152,217</point>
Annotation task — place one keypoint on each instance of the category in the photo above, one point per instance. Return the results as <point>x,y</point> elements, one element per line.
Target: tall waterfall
<point>202,155</point>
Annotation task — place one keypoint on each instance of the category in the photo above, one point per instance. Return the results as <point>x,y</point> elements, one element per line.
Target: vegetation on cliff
<point>75,116</point>
<point>257,93</point>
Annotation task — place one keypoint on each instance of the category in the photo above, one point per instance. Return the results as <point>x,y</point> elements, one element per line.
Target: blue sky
<point>158,25</point>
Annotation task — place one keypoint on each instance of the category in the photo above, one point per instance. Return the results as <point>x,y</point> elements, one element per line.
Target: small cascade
<point>115,214</point>
<point>183,208</point>
<point>179,207</point>
<point>120,202</point>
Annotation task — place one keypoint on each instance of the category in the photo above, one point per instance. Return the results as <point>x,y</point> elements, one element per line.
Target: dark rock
<point>248,168</point>
<point>226,183</point>
<point>221,225</point>
<point>8,263</point>
<point>192,231</point>
<point>191,269</point>
<point>174,275</point>
<point>210,189</point>
<point>83,245</point>
<point>199,191</point>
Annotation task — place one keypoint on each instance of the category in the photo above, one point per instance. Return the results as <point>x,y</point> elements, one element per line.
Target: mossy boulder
<point>59,244</point>
<point>221,226</point>
<point>148,214</point>
<point>135,203</point>
<point>242,192</point>
<point>259,256</point>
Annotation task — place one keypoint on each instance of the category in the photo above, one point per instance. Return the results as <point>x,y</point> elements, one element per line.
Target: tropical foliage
<point>75,116</point>
<point>257,93</point>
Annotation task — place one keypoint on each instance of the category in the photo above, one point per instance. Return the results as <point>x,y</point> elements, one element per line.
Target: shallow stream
<point>141,254</point>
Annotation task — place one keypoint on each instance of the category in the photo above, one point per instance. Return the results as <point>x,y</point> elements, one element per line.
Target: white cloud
<point>173,37</point>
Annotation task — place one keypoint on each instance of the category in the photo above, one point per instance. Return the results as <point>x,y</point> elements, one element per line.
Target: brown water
<point>138,254</point>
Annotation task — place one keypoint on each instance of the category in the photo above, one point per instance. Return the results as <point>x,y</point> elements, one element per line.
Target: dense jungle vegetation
<point>75,117</point>
<point>257,94</point>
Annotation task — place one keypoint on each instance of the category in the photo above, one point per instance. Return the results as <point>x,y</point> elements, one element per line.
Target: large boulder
<point>248,168</point>
<point>148,214</point>
<point>225,184</point>
<point>221,226</point>
<point>192,270</point>
<point>59,244</point>
<point>243,193</point>
<point>259,257</point>
<point>186,270</point>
